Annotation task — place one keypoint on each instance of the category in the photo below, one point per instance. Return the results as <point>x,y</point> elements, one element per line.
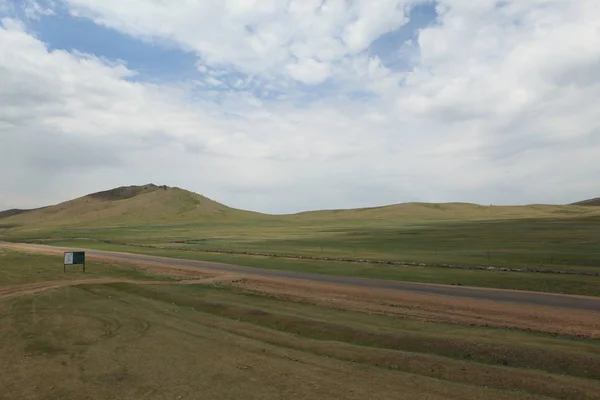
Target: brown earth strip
<point>431,308</point>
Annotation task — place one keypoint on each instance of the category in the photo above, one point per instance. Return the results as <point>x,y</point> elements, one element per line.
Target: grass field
<point>20,268</point>
<point>565,243</point>
<point>535,236</point>
<point>555,283</point>
<point>170,341</point>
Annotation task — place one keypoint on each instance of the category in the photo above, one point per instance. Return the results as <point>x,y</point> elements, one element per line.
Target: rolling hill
<point>151,205</point>
<point>589,203</point>
<point>10,213</point>
<point>173,218</point>
<point>449,212</point>
<point>131,205</point>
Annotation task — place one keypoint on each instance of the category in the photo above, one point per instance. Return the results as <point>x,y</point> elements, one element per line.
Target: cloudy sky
<point>288,105</point>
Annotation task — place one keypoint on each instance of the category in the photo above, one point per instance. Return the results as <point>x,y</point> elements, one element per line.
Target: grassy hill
<point>591,202</point>
<point>152,205</point>
<point>448,211</point>
<point>147,205</point>
<point>14,211</point>
<point>10,213</point>
<point>562,236</point>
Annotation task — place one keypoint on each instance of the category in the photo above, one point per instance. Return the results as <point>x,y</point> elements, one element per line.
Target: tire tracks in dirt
<point>37,287</point>
<point>480,311</point>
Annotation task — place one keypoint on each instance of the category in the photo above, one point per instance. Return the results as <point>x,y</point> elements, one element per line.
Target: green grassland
<point>184,224</point>
<point>555,283</point>
<point>169,341</point>
<point>18,268</point>
<point>567,243</point>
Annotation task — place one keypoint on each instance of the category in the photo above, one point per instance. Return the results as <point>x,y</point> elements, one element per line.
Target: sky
<point>283,106</point>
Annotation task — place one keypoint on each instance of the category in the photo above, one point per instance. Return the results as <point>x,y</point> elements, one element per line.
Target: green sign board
<point>74,258</point>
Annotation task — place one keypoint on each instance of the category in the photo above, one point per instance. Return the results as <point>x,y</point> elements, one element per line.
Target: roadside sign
<point>74,258</point>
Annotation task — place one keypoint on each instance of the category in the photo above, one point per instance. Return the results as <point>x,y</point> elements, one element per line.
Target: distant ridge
<point>589,203</point>
<point>152,205</point>
<point>17,211</point>
<point>10,213</point>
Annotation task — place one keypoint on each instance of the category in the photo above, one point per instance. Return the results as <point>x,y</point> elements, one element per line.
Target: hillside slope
<point>449,211</point>
<point>133,205</point>
<point>10,213</point>
<point>589,203</point>
<point>158,209</point>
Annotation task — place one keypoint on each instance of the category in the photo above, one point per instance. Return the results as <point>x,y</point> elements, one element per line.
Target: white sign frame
<point>69,258</point>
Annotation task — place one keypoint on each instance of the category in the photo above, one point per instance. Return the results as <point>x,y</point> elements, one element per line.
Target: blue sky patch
<point>388,47</point>
<point>153,62</point>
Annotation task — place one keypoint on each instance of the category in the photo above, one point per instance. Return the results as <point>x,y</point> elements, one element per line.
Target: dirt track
<point>507,296</point>
<point>366,298</point>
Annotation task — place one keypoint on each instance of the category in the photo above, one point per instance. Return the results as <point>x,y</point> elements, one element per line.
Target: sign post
<point>74,258</point>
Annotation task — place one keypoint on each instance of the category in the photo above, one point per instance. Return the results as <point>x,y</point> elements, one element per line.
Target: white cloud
<point>34,10</point>
<point>213,81</point>
<point>68,117</point>
<point>293,38</point>
<point>370,20</point>
<point>309,71</point>
<point>498,105</point>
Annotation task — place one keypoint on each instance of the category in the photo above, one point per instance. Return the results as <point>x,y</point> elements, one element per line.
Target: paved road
<point>508,296</point>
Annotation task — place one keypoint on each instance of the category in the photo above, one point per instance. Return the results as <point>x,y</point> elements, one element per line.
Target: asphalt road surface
<point>507,296</point>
